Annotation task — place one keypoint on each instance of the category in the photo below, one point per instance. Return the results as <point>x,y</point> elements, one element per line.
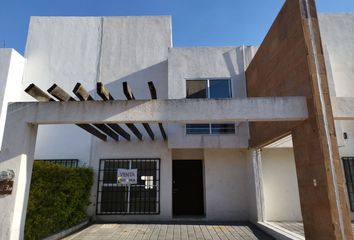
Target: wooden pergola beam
<point>135,130</point>
<point>128,92</point>
<point>130,96</point>
<point>41,96</point>
<point>152,89</point>
<point>119,130</point>
<point>81,93</point>
<point>153,94</point>
<point>84,95</point>
<point>104,93</point>
<point>63,96</point>
<point>104,128</point>
<point>90,129</point>
<point>37,93</point>
<point>60,93</point>
<point>149,130</point>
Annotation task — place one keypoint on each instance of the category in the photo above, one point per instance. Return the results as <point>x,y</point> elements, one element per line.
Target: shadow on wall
<point>238,75</point>
<point>138,82</point>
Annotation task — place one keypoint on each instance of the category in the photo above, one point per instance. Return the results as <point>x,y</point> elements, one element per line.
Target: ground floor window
<point>348,164</point>
<point>128,186</point>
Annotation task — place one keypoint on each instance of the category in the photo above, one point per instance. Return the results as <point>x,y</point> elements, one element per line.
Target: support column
<point>324,202</point>
<point>256,186</point>
<point>323,197</point>
<point>16,154</point>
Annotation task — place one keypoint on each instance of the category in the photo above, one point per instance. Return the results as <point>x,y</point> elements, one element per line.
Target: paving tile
<point>173,232</point>
<point>296,227</point>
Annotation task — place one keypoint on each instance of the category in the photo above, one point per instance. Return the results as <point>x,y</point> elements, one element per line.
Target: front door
<point>188,197</point>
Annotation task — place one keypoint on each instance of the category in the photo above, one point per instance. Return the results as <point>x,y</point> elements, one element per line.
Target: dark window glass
<point>197,89</point>
<point>348,165</point>
<point>222,128</point>
<point>198,128</point>
<point>219,88</point>
<point>115,198</point>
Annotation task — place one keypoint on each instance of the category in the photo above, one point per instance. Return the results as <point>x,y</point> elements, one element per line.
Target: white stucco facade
<point>11,71</point>
<point>239,184</point>
<point>208,63</point>
<point>281,192</point>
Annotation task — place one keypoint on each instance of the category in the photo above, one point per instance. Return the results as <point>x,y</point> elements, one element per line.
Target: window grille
<point>348,164</point>
<point>116,196</point>
<point>64,162</point>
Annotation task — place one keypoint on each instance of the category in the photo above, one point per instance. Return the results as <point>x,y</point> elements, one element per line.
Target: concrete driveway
<point>237,231</point>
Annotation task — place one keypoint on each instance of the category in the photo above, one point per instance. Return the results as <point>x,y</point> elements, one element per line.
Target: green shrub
<point>58,199</point>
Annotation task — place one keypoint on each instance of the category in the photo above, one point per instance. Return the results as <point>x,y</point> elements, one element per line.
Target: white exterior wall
<point>67,50</point>
<point>63,51</point>
<point>136,150</point>
<point>135,49</point>
<point>226,181</point>
<point>226,193</point>
<point>208,63</point>
<point>11,71</point>
<point>337,32</point>
<point>280,188</point>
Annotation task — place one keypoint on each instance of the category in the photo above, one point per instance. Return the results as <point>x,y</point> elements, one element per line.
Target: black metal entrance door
<point>188,197</point>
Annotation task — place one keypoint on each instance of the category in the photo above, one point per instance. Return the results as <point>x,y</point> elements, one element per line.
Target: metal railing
<point>64,162</point>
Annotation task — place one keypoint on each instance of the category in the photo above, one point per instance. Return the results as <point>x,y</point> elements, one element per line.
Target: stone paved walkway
<point>296,227</point>
<point>239,231</point>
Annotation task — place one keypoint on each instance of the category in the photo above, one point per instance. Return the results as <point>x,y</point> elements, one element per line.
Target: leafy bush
<point>58,199</point>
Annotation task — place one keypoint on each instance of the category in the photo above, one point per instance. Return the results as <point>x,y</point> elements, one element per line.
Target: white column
<point>16,154</point>
<point>256,197</point>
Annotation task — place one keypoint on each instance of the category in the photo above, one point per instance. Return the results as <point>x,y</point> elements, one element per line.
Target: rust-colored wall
<point>279,68</point>
<point>285,65</point>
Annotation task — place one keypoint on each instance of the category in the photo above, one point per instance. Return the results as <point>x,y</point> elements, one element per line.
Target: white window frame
<point>208,97</point>
<point>208,84</point>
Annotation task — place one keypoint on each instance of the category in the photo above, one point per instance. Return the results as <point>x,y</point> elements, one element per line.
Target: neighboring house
<point>203,171</point>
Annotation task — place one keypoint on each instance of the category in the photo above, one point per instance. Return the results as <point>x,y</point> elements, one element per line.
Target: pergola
<point>23,119</point>
<point>99,130</point>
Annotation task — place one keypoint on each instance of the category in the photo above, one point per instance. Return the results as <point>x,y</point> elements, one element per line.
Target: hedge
<point>58,199</point>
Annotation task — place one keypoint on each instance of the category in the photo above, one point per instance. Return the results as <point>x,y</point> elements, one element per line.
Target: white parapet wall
<point>11,71</point>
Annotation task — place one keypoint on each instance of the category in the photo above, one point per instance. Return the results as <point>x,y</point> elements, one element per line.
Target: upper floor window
<point>209,88</point>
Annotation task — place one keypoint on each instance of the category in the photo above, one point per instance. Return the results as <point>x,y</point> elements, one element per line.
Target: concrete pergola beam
<point>173,111</point>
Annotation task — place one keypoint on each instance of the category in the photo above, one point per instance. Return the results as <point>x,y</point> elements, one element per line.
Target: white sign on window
<point>127,176</point>
<point>149,181</point>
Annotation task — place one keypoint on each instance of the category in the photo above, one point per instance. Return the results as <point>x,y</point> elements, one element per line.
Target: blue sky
<point>195,22</point>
